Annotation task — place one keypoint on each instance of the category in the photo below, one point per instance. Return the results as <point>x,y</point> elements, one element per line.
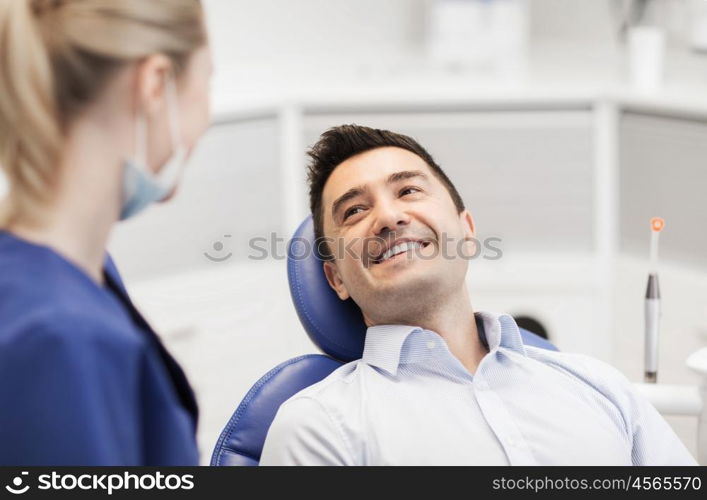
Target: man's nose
<point>389,217</point>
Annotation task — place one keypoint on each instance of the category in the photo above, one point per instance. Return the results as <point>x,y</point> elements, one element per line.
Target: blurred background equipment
<point>646,48</point>
<point>652,312</point>
<point>478,34</point>
<point>698,26</point>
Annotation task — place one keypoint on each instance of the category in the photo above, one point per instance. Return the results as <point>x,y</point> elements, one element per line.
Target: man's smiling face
<point>392,214</point>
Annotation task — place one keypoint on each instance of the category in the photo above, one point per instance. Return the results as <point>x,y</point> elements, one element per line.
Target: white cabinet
<point>526,176</point>
<point>664,173</point>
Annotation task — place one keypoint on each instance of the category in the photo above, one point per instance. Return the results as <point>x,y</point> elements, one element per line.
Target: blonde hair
<point>55,57</point>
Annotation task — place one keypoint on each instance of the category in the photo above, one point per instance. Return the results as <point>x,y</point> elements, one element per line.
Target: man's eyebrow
<point>348,195</point>
<point>405,174</point>
<point>359,190</point>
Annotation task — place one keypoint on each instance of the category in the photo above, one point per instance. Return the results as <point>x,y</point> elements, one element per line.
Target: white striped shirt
<point>409,401</point>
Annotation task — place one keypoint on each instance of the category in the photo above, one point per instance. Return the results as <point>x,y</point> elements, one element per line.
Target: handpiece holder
<point>684,400</point>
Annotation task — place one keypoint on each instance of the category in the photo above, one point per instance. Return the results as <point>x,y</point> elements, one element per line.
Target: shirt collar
<point>384,343</point>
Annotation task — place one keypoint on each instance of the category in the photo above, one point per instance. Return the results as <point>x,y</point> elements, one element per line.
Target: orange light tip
<point>657,224</point>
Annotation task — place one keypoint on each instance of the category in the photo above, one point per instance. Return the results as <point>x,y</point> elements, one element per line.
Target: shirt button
<point>482,386</point>
<point>431,344</point>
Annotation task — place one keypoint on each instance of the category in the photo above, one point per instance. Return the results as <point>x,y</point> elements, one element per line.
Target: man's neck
<point>453,319</point>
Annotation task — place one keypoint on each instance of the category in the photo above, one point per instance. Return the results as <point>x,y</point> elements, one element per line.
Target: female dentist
<point>100,103</point>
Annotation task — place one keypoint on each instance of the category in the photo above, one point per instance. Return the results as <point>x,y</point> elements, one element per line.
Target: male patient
<point>438,383</point>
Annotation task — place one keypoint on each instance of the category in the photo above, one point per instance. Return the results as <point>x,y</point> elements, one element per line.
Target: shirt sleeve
<point>69,396</point>
<point>654,441</point>
<point>304,433</point>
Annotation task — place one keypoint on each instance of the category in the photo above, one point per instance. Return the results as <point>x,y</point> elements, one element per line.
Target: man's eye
<point>409,190</point>
<point>351,211</point>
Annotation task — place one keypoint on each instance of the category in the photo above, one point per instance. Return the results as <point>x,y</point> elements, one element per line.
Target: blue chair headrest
<point>336,326</point>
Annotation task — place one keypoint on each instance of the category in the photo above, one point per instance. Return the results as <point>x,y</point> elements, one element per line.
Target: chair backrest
<point>335,326</point>
<point>241,441</point>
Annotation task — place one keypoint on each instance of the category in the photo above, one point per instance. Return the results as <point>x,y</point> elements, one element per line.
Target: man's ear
<point>332,276</point>
<point>467,221</point>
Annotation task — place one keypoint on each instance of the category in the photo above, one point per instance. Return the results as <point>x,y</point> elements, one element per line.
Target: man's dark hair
<point>338,144</point>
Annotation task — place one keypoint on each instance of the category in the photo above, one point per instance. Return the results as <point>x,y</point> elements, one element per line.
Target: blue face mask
<point>140,186</point>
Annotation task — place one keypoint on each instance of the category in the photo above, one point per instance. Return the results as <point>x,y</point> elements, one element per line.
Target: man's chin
<point>400,284</point>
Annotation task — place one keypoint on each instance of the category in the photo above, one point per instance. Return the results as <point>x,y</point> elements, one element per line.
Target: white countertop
<point>570,77</point>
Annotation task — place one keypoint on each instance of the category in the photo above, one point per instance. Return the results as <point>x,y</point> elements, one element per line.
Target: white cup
<point>646,55</point>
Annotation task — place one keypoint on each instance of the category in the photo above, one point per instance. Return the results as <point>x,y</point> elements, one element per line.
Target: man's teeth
<point>402,247</point>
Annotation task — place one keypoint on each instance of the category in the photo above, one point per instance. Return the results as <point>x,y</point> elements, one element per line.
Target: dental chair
<point>335,326</point>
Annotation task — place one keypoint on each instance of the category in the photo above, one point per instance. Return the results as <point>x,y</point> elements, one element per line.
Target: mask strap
<point>140,138</point>
<point>175,131</point>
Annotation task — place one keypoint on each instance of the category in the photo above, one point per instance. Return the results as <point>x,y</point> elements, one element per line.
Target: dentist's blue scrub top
<point>84,380</point>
